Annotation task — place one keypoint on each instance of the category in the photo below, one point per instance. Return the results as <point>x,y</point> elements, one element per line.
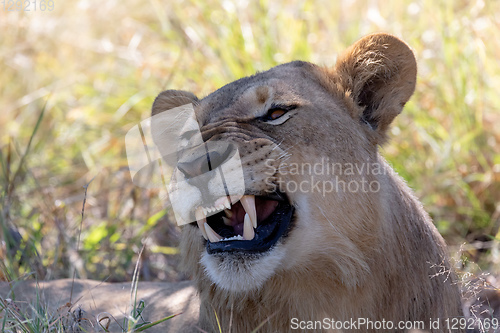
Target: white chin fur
<point>231,273</point>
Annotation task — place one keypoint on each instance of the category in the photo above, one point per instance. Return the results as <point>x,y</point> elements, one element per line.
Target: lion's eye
<point>275,113</point>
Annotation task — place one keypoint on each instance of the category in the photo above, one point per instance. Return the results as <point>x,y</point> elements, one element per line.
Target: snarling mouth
<point>253,224</point>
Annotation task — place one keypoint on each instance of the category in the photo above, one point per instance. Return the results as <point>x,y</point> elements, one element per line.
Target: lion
<point>325,236</point>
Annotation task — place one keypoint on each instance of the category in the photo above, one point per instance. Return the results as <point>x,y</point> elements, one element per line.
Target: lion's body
<point>348,254</point>
<point>399,272</point>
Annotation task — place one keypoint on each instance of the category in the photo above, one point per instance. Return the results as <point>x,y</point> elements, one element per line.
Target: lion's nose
<point>194,168</point>
<point>210,160</point>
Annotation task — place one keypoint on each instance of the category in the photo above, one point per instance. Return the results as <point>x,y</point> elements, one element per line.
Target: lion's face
<point>275,134</point>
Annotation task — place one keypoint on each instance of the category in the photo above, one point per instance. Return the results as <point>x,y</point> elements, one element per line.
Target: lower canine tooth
<point>248,232</point>
<point>212,235</point>
<point>201,219</point>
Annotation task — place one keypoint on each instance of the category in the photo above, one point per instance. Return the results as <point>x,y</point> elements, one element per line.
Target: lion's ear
<point>170,99</point>
<point>379,73</point>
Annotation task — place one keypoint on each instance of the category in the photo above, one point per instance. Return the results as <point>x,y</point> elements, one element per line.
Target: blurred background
<point>75,79</point>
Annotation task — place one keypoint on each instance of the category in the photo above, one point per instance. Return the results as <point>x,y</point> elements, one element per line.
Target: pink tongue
<point>264,209</point>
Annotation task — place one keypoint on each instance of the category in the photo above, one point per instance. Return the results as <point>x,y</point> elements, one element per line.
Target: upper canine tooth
<point>228,212</point>
<point>201,219</point>
<point>212,235</point>
<point>248,232</point>
<point>248,203</point>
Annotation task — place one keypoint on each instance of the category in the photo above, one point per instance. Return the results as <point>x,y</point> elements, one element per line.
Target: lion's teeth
<point>201,219</point>
<point>228,213</point>
<point>237,237</point>
<point>201,225</point>
<point>216,208</point>
<point>212,235</point>
<point>226,221</point>
<point>234,198</point>
<point>248,203</point>
<point>222,203</point>
<point>248,232</point>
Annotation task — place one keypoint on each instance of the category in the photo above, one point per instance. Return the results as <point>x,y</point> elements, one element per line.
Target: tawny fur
<point>374,255</point>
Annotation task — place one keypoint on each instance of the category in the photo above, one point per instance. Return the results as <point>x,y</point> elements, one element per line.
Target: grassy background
<point>73,81</point>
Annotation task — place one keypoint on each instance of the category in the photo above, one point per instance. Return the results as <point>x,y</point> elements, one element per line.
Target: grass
<point>40,318</point>
<point>76,79</point>
<point>67,318</point>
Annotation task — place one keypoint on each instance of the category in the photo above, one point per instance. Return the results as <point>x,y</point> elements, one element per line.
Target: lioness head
<point>279,125</point>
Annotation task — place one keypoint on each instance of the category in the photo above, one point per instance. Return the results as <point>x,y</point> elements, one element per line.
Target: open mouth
<point>253,224</point>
